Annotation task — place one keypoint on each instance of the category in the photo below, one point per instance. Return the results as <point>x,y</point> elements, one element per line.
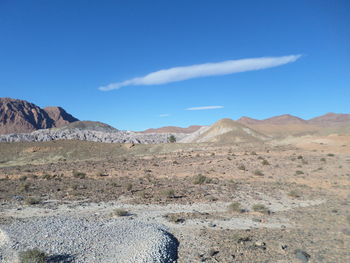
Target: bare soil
<point>304,188</point>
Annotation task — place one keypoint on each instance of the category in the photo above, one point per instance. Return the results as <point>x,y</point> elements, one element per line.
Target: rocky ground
<point>117,136</point>
<point>232,203</point>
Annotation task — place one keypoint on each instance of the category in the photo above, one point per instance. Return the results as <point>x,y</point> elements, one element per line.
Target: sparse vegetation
<point>129,187</point>
<point>79,175</point>
<point>331,154</point>
<point>47,176</point>
<point>260,208</point>
<point>33,256</point>
<point>149,177</point>
<point>172,139</point>
<point>258,172</point>
<point>265,162</point>
<point>169,193</point>
<point>101,174</point>
<point>242,167</point>
<point>200,179</point>
<point>241,239</point>
<point>234,207</point>
<point>174,218</point>
<point>120,212</point>
<point>32,201</point>
<point>299,172</point>
<point>294,194</point>
<point>23,178</point>
<point>303,161</point>
<point>33,176</point>
<point>24,187</point>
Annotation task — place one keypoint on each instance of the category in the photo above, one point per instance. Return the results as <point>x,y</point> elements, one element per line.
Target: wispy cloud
<point>203,70</point>
<point>205,108</point>
<point>164,115</point>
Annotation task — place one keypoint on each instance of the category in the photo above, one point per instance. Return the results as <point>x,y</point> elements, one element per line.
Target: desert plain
<point>283,200</point>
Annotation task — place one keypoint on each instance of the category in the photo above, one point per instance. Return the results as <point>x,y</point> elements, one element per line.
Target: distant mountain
<point>284,120</point>
<point>280,126</point>
<point>331,119</point>
<point>20,116</point>
<point>90,125</point>
<point>226,131</point>
<point>247,120</point>
<point>287,124</point>
<point>174,129</point>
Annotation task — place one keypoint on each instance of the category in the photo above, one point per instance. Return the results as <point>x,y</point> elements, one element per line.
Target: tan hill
<point>248,121</point>
<point>174,129</point>
<point>284,120</point>
<point>20,116</point>
<point>276,120</point>
<point>227,131</point>
<point>279,126</point>
<point>59,116</point>
<point>331,120</point>
<point>285,125</point>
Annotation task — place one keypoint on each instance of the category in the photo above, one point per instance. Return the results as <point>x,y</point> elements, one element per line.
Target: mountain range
<point>19,116</point>
<point>281,125</point>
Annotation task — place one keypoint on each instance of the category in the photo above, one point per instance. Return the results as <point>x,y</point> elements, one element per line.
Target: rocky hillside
<point>20,116</point>
<point>87,134</point>
<point>59,116</point>
<point>90,125</point>
<point>225,131</point>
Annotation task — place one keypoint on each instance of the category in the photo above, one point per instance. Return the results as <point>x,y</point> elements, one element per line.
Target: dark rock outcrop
<point>20,116</point>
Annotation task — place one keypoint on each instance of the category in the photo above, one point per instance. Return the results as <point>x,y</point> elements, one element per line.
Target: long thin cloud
<point>205,108</point>
<point>203,70</point>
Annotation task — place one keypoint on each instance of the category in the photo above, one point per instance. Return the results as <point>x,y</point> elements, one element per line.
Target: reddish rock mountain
<point>284,119</point>
<point>19,116</point>
<point>59,116</point>
<point>174,129</point>
<point>331,119</point>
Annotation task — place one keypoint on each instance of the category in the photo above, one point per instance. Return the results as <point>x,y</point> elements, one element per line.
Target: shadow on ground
<point>65,258</point>
<point>172,248</point>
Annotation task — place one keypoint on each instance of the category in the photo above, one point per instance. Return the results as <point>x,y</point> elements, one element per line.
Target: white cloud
<point>203,70</point>
<point>164,115</point>
<point>205,108</point>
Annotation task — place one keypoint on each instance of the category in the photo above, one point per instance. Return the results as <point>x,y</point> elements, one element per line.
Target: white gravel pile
<point>90,135</point>
<point>68,239</point>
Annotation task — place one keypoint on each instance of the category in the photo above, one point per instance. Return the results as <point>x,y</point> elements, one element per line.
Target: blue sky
<point>59,52</point>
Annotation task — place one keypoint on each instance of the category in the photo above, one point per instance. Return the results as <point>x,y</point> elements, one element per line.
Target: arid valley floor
<point>278,201</point>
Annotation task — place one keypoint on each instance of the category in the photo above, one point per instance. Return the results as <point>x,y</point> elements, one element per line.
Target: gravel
<point>90,135</point>
<point>81,239</point>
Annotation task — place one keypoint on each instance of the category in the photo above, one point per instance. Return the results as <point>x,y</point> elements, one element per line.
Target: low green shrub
<point>33,256</point>
<point>260,208</point>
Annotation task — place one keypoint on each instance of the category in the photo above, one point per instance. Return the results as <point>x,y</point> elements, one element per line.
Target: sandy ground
<point>293,195</point>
